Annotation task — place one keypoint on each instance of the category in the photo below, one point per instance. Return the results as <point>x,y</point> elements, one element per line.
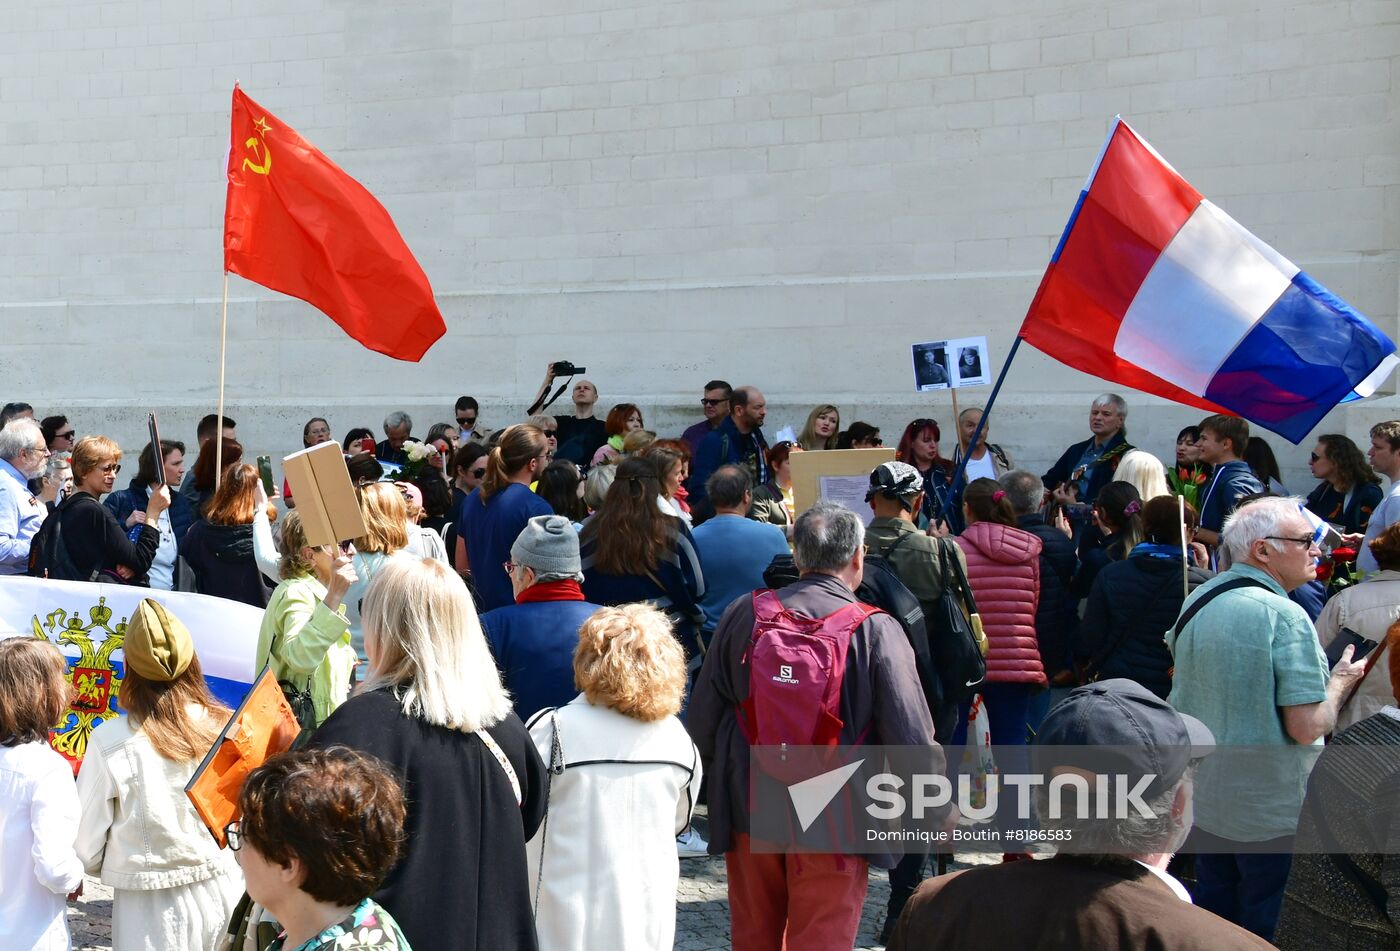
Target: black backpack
<point>957,643</point>
<point>882,587</point>
<point>48,554</point>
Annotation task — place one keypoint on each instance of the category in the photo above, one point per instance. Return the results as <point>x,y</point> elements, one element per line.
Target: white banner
<point>88,623</point>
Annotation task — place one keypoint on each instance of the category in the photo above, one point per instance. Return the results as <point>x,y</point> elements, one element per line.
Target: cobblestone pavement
<point>702,909</point>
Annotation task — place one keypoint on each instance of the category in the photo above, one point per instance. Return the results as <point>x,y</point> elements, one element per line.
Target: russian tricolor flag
<point>1154,287</point>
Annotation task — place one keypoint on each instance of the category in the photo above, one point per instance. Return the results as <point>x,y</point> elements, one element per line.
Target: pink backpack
<point>796,665</point>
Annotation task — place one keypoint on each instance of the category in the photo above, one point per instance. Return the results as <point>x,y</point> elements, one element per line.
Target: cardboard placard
<point>840,475</point>
<point>262,726</point>
<point>326,500</point>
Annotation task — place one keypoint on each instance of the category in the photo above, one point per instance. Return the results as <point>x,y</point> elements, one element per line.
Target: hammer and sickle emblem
<point>258,146</point>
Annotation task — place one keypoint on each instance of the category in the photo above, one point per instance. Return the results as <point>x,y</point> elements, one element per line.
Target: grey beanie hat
<point>549,544</point>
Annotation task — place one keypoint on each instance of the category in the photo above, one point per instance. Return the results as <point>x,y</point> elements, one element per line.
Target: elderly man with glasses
<point>23,455</point>
<point>1248,665</point>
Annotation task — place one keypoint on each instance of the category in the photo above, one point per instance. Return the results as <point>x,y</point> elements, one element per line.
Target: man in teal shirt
<point>1249,666</point>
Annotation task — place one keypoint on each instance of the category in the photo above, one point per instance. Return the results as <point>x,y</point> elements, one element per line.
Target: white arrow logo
<point>811,796</point>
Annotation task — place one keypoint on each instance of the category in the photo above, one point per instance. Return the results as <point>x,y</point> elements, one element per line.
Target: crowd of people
<point>553,641</point>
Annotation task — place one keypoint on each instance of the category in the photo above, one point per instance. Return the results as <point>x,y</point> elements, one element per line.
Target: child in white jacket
<point>38,802</point>
<point>173,886</point>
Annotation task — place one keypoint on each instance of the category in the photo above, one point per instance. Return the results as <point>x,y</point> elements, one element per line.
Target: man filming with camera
<point>581,434</point>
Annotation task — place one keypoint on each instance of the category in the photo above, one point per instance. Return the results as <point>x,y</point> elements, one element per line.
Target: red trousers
<point>801,902</point>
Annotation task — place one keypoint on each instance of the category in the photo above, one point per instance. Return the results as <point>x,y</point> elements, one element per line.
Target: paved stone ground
<point>702,910</point>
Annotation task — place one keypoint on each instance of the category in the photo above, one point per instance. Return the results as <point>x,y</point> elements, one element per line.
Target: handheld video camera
<point>565,368</point>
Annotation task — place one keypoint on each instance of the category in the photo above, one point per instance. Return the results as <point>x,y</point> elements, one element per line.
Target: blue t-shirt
<point>489,530</point>
<point>733,553</point>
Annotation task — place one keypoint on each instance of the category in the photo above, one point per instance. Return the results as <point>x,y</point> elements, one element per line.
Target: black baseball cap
<point>1130,729</point>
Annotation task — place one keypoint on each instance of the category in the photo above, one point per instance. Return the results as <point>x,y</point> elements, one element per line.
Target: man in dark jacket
<point>814,903</point>
<point>1110,889</point>
<point>1088,466</point>
<point>534,639</point>
<point>1055,617</point>
<point>736,441</point>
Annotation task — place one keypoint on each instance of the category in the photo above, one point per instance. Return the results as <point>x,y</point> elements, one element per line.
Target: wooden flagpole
<point>1185,558</point>
<point>219,421</point>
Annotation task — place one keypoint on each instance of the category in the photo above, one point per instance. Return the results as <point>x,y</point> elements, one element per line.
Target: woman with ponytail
<point>1134,600</point>
<point>1003,567</point>
<point>496,512</point>
<point>1118,515</point>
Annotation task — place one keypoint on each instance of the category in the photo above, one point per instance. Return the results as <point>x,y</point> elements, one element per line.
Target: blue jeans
<point>1244,888</point>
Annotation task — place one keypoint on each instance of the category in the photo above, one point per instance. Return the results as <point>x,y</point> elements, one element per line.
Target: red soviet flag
<point>296,223</point>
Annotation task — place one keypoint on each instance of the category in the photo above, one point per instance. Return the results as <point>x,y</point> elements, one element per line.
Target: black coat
<point>1055,615</point>
<point>1100,472</point>
<point>1132,605</point>
<point>221,557</point>
<point>461,882</point>
<point>96,541</point>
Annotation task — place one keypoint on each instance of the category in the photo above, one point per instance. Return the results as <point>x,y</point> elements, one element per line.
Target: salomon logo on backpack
<point>796,665</point>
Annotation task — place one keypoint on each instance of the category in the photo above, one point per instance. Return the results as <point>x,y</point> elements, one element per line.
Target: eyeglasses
<point>112,467</point>
<point>1306,541</point>
<point>68,435</point>
<point>478,473</point>
<point>509,566</point>
<point>233,833</point>
<point>38,451</point>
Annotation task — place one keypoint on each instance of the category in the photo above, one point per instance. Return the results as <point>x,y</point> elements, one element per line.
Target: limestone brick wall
<point>774,192</point>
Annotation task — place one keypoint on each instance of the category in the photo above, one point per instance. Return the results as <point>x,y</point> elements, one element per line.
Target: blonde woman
<point>822,430</point>
<point>630,778</point>
<point>1144,472</point>
<point>385,512</point>
<point>434,711</point>
<point>173,886</point>
<point>305,634</point>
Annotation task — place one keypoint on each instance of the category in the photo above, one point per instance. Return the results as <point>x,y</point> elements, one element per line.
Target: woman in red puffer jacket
<point>1003,566</point>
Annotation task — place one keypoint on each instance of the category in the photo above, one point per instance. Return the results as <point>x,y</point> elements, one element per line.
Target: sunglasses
<point>112,467</point>
<point>1313,457</point>
<point>550,432</point>
<point>705,402</point>
<point>478,473</point>
<point>466,420</point>
<point>68,435</point>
